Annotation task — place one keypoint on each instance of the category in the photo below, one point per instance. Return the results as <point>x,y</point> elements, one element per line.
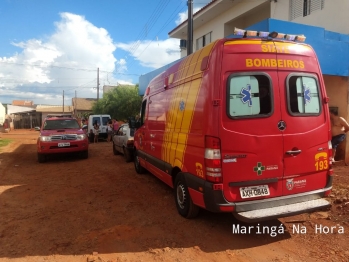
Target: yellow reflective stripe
<point>178,122</point>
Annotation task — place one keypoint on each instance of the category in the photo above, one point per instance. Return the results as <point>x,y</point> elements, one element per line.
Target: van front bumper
<point>264,209</point>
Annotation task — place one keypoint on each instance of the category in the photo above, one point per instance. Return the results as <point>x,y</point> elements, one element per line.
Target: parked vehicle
<point>123,142</point>
<point>61,134</point>
<point>241,126</point>
<point>102,121</point>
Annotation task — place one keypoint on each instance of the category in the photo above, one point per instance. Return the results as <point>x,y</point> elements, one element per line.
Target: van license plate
<point>254,191</point>
<point>63,144</point>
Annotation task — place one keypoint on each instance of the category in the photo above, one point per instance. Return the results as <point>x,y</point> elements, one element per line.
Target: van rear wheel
<point>184,204</point>
<point>138,167</point>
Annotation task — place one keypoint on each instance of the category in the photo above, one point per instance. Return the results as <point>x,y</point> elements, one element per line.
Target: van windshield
<point>61,124</point>
<point>249,95</point>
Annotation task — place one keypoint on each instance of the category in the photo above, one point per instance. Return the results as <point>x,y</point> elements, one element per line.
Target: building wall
<point>2,114</point>
<point>337,91</point>
<point>217,25</point>
<point>333,17</point>
<point>247,13</point>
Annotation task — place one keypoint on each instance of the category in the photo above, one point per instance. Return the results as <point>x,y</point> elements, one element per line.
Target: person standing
<point>115,125</point>
<point>339,128</point>
<point>96,132</point>
<point>109,130</point>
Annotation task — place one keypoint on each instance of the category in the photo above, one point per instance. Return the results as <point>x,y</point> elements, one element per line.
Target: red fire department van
<point>241,126</point>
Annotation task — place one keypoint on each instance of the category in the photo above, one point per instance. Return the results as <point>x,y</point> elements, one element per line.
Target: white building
<point>219,18</point>
<point>2,114</point>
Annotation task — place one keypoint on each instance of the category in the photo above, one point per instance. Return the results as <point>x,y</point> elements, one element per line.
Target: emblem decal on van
<point>229,160</point>
<point>282,125</point>
<point>273,167</point>
<point>289,184</point>
<point>259,168</point>
<point>307,96</point>
<point>234,156</point>
<point>181,105</point>
<point>247,97</point>
<point>199,170</point>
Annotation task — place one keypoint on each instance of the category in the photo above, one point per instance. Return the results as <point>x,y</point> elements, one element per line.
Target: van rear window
<point>105,120</point>
<point>249,95</point>
<point>303,95</point>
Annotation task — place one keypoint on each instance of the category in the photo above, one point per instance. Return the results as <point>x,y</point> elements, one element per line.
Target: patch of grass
<point>5,142</point>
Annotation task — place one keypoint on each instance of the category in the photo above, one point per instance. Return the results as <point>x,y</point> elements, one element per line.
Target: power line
<point>162,28</point>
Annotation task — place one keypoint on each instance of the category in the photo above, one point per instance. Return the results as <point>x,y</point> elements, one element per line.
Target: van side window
<point>303,95</point>
<point>143,111</point>
<point>249,95</point>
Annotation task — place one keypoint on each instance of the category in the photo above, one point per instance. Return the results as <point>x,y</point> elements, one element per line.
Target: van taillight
<point>213,159</point>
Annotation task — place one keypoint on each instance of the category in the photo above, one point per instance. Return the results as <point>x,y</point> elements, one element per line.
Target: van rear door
<point>251,141</point>
<point>306,134</point>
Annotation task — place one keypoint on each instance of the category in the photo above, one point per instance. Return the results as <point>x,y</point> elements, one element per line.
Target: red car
<point>61,134</point>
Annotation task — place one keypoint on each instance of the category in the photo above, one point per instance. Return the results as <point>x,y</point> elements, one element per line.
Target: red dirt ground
<point>99,209</point>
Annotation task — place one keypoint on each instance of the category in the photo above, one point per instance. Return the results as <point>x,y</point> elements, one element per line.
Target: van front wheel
<point>138,167</point>
<point>184,204</point>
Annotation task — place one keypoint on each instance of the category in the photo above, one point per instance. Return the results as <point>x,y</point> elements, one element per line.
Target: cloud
<point>184,15</point>
<point>66,60</point>
<point>153,54</point>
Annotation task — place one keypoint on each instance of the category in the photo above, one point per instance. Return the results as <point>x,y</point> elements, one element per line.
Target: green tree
<point>120,102</point>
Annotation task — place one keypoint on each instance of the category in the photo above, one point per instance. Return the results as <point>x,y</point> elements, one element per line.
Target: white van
<point>102,121</point>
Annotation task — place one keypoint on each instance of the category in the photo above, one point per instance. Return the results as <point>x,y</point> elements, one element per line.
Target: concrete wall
<point>337,91</point>
<point>2,114</point>
<point>217,25</point>
<point>333,17</point>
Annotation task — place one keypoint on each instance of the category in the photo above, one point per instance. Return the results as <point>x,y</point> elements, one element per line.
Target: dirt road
<point>99,209</point>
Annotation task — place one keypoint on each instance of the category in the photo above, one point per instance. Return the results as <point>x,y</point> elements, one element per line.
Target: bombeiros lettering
<point>274,63</point>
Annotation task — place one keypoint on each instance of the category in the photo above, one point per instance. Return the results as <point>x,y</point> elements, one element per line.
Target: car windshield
<point>61,124</point>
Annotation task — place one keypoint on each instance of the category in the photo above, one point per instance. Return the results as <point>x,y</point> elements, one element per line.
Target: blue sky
<point>49,46</point>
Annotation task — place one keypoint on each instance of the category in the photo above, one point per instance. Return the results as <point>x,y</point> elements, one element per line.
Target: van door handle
<point>293,152</point>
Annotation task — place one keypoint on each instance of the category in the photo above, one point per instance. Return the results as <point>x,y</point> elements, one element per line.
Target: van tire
<point>184,204</point>
<point>138,167</point>
<point>127,155</point>
<point>41,158</point>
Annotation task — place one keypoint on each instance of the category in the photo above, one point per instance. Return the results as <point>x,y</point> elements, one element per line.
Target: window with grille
<point>302,8</point>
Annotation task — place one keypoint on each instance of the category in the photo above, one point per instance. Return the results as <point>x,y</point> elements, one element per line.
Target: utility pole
<point>97,83</point>
<point>63,102</point>
<point>190,27</point>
